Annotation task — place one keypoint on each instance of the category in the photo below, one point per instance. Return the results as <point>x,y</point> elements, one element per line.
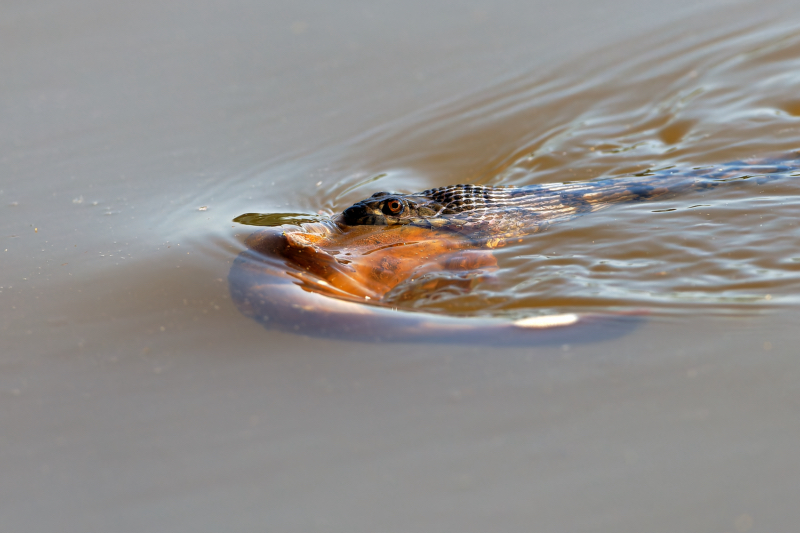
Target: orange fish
<point>327,280</point>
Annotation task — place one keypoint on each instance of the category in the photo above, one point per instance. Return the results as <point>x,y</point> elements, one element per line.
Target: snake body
<point>486,212</point>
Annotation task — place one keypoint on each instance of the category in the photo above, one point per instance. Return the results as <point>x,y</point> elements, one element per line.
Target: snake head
<point>386,209</point>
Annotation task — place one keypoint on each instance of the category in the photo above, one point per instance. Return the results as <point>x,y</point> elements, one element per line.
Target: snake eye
<point>393,206</point>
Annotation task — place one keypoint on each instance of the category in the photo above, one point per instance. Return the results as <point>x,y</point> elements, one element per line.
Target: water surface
<point>134,397</point>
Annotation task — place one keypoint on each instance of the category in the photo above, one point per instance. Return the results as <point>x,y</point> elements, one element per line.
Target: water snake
<point>488,213</point>
<point>316,278</point>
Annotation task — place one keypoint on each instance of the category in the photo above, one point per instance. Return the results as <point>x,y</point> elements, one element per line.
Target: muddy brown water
<point>134,396</point>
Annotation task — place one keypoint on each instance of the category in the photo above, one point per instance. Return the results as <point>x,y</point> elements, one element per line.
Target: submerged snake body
<point>488,213</point>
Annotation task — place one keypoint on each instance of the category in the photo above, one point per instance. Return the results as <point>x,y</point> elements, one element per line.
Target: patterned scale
<point>486,212</point>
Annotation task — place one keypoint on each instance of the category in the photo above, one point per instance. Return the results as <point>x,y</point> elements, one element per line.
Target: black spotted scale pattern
<point>508,211</point>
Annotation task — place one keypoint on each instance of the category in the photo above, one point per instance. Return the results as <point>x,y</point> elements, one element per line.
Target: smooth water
<point>134,397</point>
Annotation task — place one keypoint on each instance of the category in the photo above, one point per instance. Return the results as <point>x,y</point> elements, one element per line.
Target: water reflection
<point>276,219</point>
